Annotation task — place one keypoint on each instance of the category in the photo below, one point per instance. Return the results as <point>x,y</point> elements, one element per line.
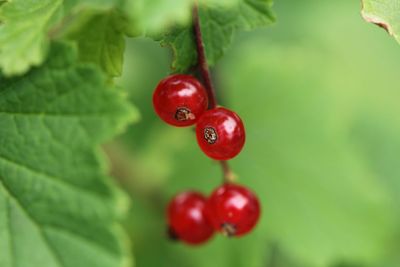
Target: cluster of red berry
<point>181,100</point>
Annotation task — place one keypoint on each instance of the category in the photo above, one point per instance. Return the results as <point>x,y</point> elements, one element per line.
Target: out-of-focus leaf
<point>152,18</point>
<point>26,25</point>
<point>384,13</point>
<point>317,192</point>
<point>96,4</point>
<point>155,16</point>
<point>218,24</point>
<point>22,45</point>
<point>101,40</point>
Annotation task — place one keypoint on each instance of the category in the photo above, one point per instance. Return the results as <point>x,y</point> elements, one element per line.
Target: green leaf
<point>22,44</point>
<point>253,14</point>
<point>101,40</point>
<point>183,46</point>
<point>96,4</point>
<point>26,26</point>
<point>385,14</point>
<point>218,24</point>
<point>57,205</point>
<point>153,17</point>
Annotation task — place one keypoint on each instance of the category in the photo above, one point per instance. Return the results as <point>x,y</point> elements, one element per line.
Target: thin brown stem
<point>202,60</point>
<point>54,32</point>
<point>202,64</point>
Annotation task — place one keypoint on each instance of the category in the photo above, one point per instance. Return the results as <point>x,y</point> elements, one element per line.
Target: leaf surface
<point>385,14</point>
<point>218,24</point>
<point>57,205</point>
<point>101,40</point>
<point>27,25</point>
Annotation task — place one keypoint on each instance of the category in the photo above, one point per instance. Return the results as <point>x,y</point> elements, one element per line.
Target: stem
<point>54,32</point>
<point>202,60</point>
<point>229,175</point>
<point>202,64</point>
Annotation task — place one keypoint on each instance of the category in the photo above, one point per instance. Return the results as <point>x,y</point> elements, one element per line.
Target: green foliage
<point>218,23</point>
<point>99,27</point>
<point>27,26</point>
<point>153,17</point>
<point>76,5</point>
<point>21,44</point>
<point>57,206</point>
<point>322,141</point>
<point>384,13</point>
<point>101,40</point>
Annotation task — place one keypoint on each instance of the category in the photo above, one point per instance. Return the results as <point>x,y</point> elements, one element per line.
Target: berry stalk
<point>202,64</point>
<point>202,60</point>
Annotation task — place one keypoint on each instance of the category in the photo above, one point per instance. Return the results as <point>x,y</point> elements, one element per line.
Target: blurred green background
<point>319,94</point>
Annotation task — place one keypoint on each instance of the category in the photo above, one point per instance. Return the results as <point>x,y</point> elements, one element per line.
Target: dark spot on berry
<point>210,134</point>
<point>228,229</point>
<point>184,114</point>
<point>171,234</point>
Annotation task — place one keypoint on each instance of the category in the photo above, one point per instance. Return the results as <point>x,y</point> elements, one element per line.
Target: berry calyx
<point>187,218</point>
<point>233,209</point>
<point>220,133</point>
<point>179,100</point>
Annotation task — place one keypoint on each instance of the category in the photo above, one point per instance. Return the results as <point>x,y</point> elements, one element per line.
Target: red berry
<point>233,209</point>
<point>220,133</point>
<point>179,100</point>
<point>187,219</point>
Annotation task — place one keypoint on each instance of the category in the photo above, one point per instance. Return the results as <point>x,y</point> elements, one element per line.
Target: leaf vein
<point>17,201</point>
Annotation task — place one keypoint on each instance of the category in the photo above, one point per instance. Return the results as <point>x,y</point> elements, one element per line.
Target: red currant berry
<point>187,218</point>
<point>233,209</point>
<point>220,133</point>
<point>179,100</point>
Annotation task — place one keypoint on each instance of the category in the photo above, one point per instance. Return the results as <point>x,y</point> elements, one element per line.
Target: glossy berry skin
<point>220,133</point>
<point>187,218</point>
<point>233,209</point>
<point>179,100</point>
